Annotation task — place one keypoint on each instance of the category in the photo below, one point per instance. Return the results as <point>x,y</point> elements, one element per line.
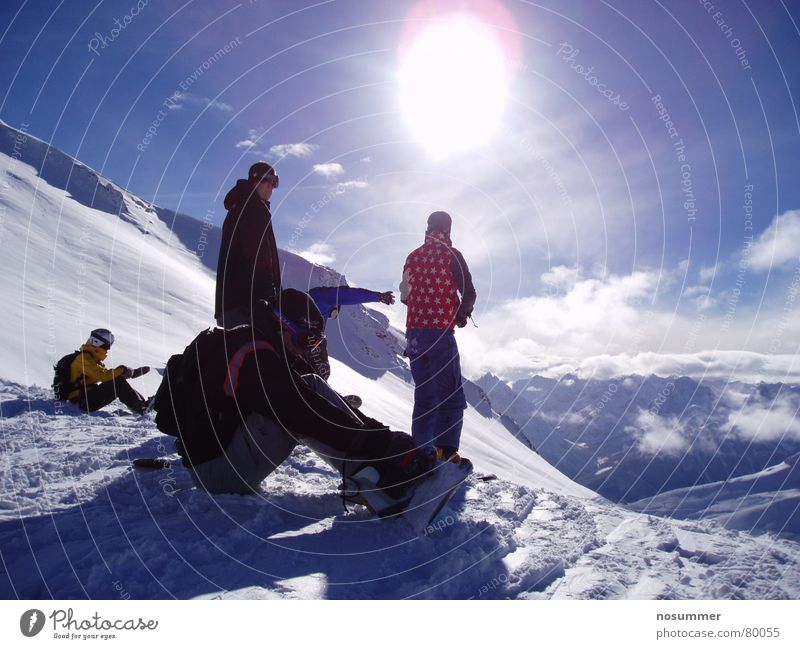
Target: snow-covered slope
<point>77,521</point>
<point>765,501</point>
<point>70,267</point>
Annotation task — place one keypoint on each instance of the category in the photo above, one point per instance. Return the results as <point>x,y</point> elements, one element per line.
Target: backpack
<point>170,398</point>
<point>62,385</point>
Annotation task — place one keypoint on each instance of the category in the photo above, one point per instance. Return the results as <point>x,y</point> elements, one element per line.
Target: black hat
<point>440,222</point>
<point>301,309</point>
<point>260,170</point>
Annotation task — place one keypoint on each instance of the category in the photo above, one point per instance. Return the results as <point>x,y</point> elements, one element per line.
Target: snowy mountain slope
<point>78,522</point>
<point>765,501</point>
<point>633,437</point>
<point>69,268</point>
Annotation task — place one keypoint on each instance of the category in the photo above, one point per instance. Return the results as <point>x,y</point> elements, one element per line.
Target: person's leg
<point>130,397</point>
<point>450,391</point>
<point>258,447</point>
<point>96,397</point>
<point>423,422</point>
<point>323,389</point>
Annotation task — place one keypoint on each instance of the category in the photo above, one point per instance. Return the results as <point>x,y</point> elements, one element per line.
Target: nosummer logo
<point>31,622</point>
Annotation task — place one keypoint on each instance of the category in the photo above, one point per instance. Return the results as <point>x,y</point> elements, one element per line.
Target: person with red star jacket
<point>438,291</point>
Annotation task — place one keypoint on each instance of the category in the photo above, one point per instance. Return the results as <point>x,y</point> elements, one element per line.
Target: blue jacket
<point>329,298</point>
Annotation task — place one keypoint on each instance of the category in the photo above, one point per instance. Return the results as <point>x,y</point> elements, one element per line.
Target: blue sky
<point>591,228</point>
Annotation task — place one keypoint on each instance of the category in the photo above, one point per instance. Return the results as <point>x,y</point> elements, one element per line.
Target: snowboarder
<point>82,378</point>
<point>248,269</point>
<point>241,409</point>
<point>433,277</point>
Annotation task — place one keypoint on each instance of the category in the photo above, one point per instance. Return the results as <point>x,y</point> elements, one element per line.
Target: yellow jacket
<point>88,369</point>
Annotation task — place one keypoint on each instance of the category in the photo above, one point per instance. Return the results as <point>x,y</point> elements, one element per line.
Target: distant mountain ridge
<point>634,437</point>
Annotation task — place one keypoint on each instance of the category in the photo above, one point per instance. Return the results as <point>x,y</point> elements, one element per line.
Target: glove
<point>139,371</point>
<point>461,320</point>
<point>126,372</point>
<point>387,297</point>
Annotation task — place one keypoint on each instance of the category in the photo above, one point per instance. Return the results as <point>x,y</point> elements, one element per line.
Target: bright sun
<point>453,85</point>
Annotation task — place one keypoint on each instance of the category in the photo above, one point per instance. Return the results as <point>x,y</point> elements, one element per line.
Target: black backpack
<point>171,397</point>
<point>62,385</point>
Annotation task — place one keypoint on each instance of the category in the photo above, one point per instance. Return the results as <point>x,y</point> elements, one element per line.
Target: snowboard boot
<point>449,454</point>
<point>387,486</point>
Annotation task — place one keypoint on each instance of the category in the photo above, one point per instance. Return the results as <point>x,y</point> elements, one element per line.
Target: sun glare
<point>453,85</point>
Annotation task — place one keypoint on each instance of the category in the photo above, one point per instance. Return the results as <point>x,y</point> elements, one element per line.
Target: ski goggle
<point>301,336</point>
<point>270,178</point>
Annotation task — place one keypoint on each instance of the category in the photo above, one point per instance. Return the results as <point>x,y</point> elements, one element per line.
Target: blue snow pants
<point>439,400</point>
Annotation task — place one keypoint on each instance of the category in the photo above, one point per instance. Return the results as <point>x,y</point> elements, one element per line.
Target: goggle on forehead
<point>273,178</point>
<point>301,336</point>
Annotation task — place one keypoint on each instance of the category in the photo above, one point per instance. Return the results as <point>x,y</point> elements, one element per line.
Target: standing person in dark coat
<point>248,269</point>
<point>434,276</point>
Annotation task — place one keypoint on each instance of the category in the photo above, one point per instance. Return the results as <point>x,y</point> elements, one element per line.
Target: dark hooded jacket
<point>248,269</point>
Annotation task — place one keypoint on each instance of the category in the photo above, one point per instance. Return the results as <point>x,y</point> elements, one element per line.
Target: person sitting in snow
<point>83,379</point>
<point>241,409</point>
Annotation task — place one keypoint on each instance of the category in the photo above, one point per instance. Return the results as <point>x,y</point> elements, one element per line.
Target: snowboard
<point>433,492</point>
<point>151,463</point>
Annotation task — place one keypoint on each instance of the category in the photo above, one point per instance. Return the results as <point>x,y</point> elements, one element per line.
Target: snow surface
<point>77,521</point>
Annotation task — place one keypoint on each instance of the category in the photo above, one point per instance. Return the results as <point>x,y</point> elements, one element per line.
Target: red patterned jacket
<point>433,276</point>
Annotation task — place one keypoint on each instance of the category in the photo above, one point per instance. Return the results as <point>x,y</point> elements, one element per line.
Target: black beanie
<point>260,170</point>
<point>301,309</point>
<point>440,222</point>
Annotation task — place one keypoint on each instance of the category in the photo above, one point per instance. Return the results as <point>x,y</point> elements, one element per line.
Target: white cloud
<point>245,144</point>
<point>297,150</point>
<point>561,277</point>
<point>658,435</point>
<point>341,188</point>
<point>182,98</point>
<point>318,253</point>
<point>366,159</point>
<point>779,245</point>
<point>706,274</point>
<point>767,421</point>
<point>329,169</point>
<point>699,296</point>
